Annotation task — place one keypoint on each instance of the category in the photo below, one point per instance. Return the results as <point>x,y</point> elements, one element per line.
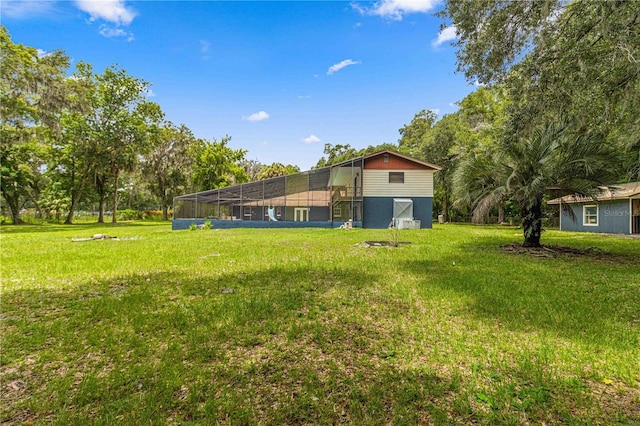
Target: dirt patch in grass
<point>384,243</point>
<point>555,251</point>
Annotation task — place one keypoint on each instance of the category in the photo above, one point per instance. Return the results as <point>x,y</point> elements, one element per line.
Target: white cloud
<point>446,34</point>
<point>257,116</point>
<point>311,139</point>
<point>114,11</point>
<point>110,32</point>
<point>304,97</point>
<point>19,9</point>
<point>340,65</point>
<point>396,9</point>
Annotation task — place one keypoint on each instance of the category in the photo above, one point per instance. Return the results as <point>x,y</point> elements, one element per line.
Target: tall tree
<point>439,145</point>
<point>32,90</point>
<point>217,165</point>
<point>125,120</point>
<point>412,134</point>
<point>167,165</point>
<point>107,132</point>
<point>578,59</point>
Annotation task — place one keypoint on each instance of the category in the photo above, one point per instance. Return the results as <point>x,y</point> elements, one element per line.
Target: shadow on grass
<point>271,346</point>
<point>28,228</point>
<point>593,298</point>
<point>279,346</point>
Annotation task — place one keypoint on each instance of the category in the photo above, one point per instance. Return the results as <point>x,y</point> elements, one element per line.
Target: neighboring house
<point>615,211</point>
<point>365,191</point>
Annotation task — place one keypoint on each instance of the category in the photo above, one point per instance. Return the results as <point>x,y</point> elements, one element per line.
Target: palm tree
<point>526,169</point>
<point>479,182</point>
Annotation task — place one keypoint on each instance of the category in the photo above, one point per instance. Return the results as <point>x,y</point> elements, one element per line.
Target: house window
<point>385,158</point>
<point>396,177</point>
<point>590,215</point>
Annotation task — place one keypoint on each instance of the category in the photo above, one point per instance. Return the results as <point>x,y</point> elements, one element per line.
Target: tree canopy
<point>577,61</point>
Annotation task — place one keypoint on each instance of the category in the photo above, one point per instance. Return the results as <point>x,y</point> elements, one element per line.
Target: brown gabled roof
<point>397,154</point>
<point>619,191</point>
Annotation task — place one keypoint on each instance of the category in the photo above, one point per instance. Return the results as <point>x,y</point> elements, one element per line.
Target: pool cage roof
<point>324,188</point>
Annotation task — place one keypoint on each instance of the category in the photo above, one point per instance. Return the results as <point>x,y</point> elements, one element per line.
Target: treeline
<point>94,140</point>
<point>557,111</point>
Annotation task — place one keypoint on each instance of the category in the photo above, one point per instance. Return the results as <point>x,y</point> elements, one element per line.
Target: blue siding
<point>378,211</point>
<point>613,218</point>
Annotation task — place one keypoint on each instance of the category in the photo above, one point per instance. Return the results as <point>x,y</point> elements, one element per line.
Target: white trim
<point>584,216</point>
<point>560,222</point>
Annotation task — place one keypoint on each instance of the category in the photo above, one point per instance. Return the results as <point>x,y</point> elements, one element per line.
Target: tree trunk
<point>75,197</point>
<point>72,210</point>
<point>14,209</point>
<point>101,189</point>
<point>532,223</point>
<point>163,200</point>
<point>445,207</point>
<point>500,213</point>
<point>101,209</point>
<point>115,196</point>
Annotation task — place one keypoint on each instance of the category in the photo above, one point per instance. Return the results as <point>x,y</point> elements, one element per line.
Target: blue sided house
<point>370,191</point>
<point>615,211</point>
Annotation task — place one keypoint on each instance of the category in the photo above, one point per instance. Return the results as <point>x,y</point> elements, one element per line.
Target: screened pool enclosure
<point>323,197</point>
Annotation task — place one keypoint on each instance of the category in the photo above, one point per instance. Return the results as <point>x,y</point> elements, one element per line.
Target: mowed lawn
<point>309,326</point>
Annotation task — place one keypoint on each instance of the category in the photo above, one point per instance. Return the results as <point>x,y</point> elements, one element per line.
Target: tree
<point>32,90</point>
<point>439,145</point>
<point>277,169</point>
<point>252,169</point>
<point>527,169</point>
<point>217,165</point>
<point>335,154</point>
<point>578,60</point>
<point>106,132</point>
<point>339,153</point>
<point>125,119</point>
<point>481,124</point>
<point>412,134</point>
<point>167,165</point>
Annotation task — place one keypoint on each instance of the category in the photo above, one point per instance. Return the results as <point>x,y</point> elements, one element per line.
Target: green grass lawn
<point>278,326</point>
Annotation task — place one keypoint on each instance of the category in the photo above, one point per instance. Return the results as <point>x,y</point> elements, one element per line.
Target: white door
<point>301,214</point>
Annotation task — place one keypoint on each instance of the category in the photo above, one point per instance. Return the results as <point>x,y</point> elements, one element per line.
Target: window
<point>590,215</point>
<point>396,177</point>
<point>385,158</point>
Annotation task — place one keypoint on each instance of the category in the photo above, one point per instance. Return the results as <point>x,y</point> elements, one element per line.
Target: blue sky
<point>281,78</point>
